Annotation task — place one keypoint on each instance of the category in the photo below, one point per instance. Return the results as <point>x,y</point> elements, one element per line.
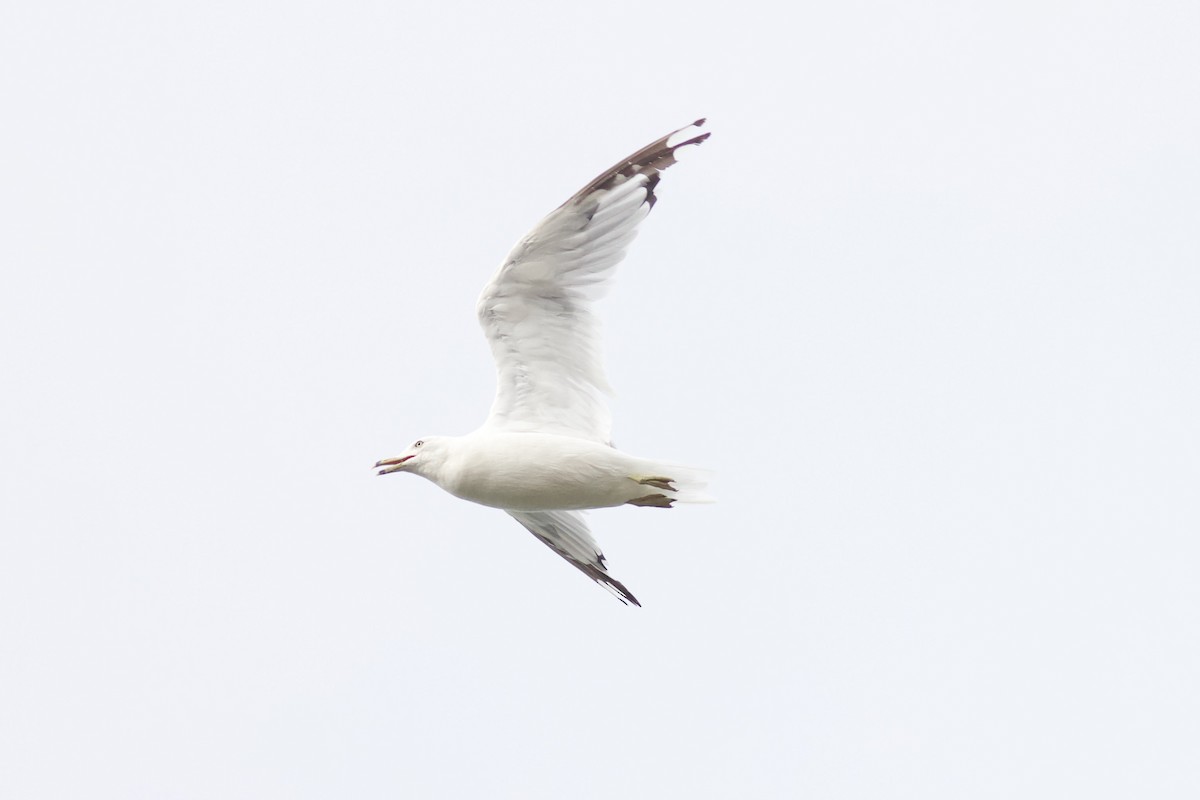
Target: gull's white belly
<point>540,472</point>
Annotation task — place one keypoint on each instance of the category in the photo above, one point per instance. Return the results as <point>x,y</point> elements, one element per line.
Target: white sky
<point>928,300</point>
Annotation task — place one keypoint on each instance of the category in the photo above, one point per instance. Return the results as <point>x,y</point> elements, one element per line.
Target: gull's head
<point>418,455</point>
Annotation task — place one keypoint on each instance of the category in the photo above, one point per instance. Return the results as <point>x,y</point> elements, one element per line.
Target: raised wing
<point>567,534</point>
<point>536,312</point>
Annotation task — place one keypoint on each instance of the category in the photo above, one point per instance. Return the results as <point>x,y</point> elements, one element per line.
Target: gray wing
<point>536,311</point>
<point>567,534</point>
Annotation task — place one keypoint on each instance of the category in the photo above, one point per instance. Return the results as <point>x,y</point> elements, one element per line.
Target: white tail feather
<point>689,482</point>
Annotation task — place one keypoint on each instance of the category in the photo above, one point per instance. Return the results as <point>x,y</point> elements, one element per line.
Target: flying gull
<point>545,451</point>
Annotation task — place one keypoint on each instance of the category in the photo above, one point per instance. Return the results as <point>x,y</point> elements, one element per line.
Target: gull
<point>545,452</point>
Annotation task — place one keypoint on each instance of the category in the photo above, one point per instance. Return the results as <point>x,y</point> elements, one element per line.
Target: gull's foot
<point>652,501</point>
<point>658,483</point>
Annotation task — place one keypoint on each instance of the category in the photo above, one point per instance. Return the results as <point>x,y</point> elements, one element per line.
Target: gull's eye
<point>419,443</point>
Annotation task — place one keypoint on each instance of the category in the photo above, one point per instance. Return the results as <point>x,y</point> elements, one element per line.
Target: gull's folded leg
<point>657,483</point>
<point>652,501</point>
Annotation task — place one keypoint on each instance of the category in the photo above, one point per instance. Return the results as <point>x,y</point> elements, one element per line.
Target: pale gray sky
<point>928,301</point>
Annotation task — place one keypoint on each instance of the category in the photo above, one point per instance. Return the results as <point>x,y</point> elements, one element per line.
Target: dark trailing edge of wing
<point>649,161</point>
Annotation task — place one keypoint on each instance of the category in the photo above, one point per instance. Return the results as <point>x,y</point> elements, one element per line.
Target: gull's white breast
<point>539,472</point>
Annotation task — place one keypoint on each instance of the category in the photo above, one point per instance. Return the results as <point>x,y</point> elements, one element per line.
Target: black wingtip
<point>649,161</point>
<point>613,586</point>
<point>623,594</point>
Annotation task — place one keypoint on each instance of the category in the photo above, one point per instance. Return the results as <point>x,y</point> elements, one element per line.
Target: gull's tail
<point>676,484</point>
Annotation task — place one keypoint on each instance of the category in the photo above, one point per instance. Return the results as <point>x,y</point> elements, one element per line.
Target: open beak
<point>391,465</point>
